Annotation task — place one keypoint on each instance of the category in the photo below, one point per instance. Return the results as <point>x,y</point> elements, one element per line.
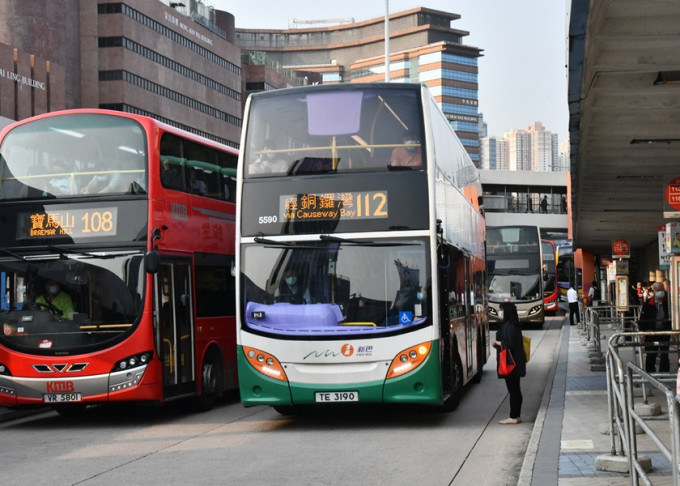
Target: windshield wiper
<point>265,241</point>
<point>12,254</point>
<point>350,241</point>
<point>63,251</point>
<point>284,244</point>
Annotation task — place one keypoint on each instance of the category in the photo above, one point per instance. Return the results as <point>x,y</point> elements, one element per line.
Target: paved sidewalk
<point>568,434</point>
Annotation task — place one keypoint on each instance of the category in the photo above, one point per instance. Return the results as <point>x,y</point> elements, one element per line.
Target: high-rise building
<point>502,154</point>
<point>483,127</point>
<point>173,61</point>
<point>564,159</point>
<point>489,153</point>
<point>533,148</point>
<point>519,150</point>
<point>543,147</point>
<point>424,48</point>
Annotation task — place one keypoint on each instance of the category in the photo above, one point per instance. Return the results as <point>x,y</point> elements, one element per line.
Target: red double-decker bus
<point>116,262</point>
<point>550,288</point>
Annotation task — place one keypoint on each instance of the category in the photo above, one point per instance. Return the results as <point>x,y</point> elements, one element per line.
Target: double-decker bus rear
<point>360,256</point>
<point>104,261</point>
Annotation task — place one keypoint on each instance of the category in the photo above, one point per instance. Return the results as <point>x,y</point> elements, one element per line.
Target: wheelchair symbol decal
<point>405,317</point>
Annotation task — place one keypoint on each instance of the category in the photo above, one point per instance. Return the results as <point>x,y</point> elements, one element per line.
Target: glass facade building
<point>424,48</point>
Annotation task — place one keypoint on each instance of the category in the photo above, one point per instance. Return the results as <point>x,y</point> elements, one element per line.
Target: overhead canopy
<point>624,102</point>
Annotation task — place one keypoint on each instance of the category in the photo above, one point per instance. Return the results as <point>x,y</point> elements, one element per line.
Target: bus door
<point>175,307</point>
<point>469,313</point>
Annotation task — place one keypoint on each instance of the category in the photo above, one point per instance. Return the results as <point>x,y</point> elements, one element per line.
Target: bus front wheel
<point>456,375</point>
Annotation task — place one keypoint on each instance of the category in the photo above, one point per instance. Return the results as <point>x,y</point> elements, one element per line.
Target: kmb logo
<point>60,386</point>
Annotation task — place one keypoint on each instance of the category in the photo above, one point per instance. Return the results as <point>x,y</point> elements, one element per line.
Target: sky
<point>522,73</point>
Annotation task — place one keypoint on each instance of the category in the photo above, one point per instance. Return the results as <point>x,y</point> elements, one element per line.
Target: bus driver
<point>292,291</point>
<point>57,298</point>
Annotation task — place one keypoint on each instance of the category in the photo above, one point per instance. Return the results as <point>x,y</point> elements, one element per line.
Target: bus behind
<point>116,256</point>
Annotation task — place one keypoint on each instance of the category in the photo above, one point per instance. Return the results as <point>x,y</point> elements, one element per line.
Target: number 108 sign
<point>75,223</point>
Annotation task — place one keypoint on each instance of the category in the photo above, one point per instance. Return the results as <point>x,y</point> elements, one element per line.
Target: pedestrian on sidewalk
<point>509,334</point>
<point>654,317</point>
<point>572,298</point>
<point>592,293</point>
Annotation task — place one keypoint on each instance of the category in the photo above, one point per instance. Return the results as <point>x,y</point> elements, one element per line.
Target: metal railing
<point>624,374</point>
<point>671,453</point>
<point>610,316</point>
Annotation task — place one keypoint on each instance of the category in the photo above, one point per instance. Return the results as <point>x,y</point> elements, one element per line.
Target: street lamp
<point>387,41</point>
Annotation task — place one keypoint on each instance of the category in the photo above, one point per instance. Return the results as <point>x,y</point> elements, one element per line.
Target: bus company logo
<point>346,350</point>
<point>179,212</point>
<point>60,387</point>
<point>321,354</point>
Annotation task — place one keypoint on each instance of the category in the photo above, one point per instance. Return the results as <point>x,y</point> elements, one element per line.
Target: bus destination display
<point>334,205</point>
<point>67,222</point>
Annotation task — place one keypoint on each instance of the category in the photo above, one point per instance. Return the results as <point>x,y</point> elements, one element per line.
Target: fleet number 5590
<point>267,219</point>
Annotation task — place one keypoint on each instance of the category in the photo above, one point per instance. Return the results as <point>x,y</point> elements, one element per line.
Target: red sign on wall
<point>673,193</point>
<point>620,248</point>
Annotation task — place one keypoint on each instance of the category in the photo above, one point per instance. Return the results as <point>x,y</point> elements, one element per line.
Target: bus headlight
<point>535,310</point>
<point>408,359</point>
<point>133,361</point>
<point>265,363</point>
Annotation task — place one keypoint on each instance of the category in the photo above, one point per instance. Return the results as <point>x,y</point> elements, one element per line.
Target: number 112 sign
<point>334,205</point>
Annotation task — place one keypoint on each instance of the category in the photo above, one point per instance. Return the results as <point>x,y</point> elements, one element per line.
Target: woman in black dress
<point>510,335</point>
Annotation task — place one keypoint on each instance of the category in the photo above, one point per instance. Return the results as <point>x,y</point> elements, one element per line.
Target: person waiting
<point>572,299</point>
<point>57,298</point>
<point>654,316</point>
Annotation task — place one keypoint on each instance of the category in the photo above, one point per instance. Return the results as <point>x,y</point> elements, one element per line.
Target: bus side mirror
<point>151,261</point>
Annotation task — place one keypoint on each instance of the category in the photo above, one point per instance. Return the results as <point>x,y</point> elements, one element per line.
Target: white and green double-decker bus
<point>360,250</point>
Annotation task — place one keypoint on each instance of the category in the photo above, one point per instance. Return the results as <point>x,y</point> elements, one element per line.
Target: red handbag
<point>506,362</point>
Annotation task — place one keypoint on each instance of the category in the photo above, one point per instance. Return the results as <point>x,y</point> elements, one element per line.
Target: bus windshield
<point>72,155</point>
<point>326,131</point>
<point>335,288</point>
<point>70,302</point>
<point>514,263</point>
